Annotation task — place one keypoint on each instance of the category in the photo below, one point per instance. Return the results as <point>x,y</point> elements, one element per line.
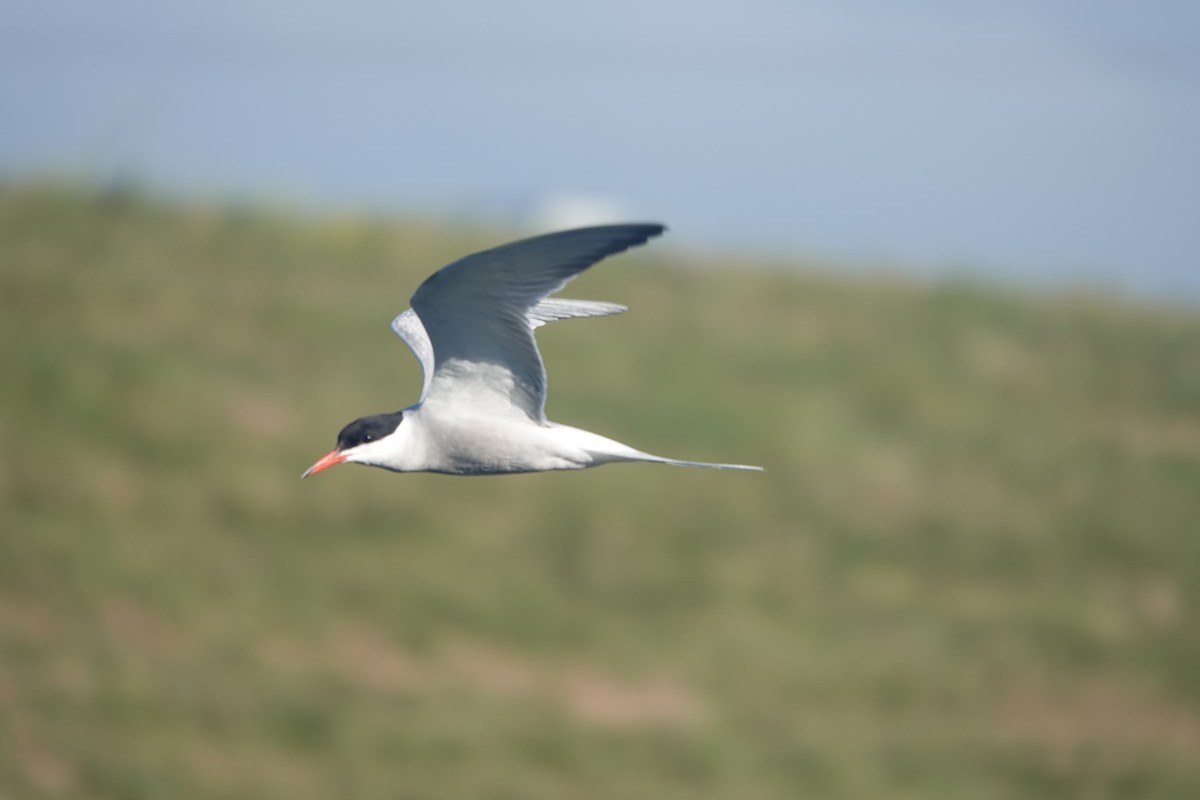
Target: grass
<point>972,569</point>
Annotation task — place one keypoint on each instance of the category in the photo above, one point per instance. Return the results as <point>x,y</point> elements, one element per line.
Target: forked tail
<point>706,465</point>
<point>594,450</point>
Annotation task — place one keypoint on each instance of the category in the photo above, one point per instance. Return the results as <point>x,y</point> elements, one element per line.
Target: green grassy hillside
<point>972,569</point>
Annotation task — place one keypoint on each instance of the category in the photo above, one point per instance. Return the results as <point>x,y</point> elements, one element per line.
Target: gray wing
<point>478,313</point>
<point>409,328</point>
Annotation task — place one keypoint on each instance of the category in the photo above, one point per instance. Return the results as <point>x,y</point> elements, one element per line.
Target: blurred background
<point>933,266</point>
<point>1036,141</point>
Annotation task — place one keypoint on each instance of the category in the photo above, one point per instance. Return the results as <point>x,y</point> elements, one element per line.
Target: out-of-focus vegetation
<point>972,570</point>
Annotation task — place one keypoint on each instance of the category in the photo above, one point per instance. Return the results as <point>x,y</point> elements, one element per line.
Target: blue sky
<point>1034,140</point>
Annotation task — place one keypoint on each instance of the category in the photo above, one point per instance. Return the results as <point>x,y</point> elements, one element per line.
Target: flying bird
<point>482,404</point>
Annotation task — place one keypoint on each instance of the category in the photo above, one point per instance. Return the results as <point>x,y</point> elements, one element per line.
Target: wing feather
<point>555,308</point>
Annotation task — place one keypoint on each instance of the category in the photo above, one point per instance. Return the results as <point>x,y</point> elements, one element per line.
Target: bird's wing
<point>479,314</point>
<point>409,328</point>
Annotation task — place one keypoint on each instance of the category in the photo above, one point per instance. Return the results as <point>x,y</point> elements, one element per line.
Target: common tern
<point>481,409</point>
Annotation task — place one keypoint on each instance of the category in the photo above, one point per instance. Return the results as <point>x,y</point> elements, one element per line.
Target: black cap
<point>369,429</point>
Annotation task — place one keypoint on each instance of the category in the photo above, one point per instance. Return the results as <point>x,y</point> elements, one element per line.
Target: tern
<point>482,405</point>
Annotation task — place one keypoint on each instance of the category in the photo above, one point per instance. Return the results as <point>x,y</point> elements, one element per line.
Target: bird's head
<point>368,440</point>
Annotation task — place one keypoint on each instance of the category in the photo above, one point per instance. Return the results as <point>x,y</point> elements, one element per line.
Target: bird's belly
<point>489,447</point>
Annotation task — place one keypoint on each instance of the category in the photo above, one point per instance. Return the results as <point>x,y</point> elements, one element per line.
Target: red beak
<point>324,462</point>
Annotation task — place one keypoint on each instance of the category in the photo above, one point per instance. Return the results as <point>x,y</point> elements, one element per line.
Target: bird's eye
<point>368,437</point>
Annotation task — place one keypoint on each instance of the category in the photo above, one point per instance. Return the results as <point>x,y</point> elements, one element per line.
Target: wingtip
<point>643,232</point>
